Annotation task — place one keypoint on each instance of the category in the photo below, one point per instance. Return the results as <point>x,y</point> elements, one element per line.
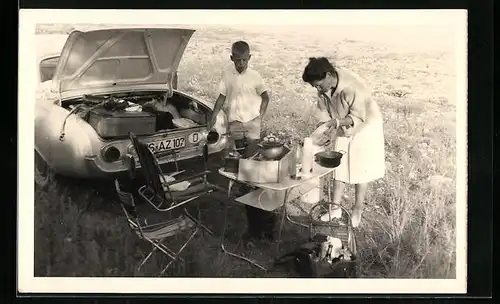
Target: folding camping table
<point>252,199</point>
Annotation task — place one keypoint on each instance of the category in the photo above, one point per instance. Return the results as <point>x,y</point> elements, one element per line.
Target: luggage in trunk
<point>119,123</point>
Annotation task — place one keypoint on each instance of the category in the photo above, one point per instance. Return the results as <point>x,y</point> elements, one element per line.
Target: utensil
<point>329,159</point>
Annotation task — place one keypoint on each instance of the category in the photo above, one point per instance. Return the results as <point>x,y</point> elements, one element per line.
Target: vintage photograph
<point>246,150</point>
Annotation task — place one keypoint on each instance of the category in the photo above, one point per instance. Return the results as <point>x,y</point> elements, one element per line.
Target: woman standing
<point>354,124</point>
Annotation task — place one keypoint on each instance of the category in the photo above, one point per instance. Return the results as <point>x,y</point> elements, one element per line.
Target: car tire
<point>42,171</point>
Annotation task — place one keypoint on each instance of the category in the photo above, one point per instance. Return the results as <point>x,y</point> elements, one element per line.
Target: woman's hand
<point>321,140</point>
<point>332,124</point>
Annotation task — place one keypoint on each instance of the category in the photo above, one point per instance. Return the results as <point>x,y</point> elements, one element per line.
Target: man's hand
<point>261,117</point>
<point>217,108</point>
<point>212,122</point>
<point>265,102</point>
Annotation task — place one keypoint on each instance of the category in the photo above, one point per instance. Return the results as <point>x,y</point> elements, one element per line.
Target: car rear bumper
<point>96,169</point>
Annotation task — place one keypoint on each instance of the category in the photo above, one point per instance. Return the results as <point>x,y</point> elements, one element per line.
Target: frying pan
<point>329,159</point>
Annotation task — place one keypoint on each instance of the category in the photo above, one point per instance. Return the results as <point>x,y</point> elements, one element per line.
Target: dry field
<point>408,229</point>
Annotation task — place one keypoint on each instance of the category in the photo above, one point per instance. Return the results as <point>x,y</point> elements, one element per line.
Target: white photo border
<point>29,18</point>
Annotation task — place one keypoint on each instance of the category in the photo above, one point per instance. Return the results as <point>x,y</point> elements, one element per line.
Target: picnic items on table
<point>271,148</point>
<point>269,165</point>
<point>275,161</point>
<point>330,159</point>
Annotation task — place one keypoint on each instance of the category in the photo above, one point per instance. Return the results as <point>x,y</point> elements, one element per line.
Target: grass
<point>408,229</point>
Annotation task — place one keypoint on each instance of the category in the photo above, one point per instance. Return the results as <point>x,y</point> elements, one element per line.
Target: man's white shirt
<point>242,93</point>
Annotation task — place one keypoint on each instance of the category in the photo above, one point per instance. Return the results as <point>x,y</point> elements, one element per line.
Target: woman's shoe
<point>356,216</point>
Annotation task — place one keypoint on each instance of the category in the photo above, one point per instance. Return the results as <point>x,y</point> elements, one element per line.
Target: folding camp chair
<point>152,226</point>
<point>159,193</point>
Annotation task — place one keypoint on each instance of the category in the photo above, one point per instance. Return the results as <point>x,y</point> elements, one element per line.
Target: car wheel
<point>42,171</point>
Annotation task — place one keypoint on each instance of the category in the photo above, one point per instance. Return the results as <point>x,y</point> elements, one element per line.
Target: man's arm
<point>219,103</point>
<point>264,104</point>
<point>260,88</point>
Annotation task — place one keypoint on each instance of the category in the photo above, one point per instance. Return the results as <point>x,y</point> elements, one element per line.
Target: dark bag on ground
<point>306,263</point>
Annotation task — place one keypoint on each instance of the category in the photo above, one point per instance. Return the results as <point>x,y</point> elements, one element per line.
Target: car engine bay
<point>141,113</point>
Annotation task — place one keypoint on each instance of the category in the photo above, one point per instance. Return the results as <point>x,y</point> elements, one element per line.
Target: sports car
<point>107,83</point>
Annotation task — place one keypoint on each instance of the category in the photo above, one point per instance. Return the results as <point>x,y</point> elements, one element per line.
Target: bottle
<point>323,250</point>
<point>298,155</point>
<point>292,165</point>
<point>295,162</point>
<point>329,252</point>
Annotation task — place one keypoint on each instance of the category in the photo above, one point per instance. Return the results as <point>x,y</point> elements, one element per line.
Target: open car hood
<point>115,58</point>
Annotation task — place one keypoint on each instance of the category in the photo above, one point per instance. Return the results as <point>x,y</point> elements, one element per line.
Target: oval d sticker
<point>194,137</point>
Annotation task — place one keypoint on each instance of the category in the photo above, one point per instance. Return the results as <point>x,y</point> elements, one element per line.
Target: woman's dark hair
<point>316,69</point>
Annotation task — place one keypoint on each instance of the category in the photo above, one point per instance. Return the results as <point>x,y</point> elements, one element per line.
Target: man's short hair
<point>240,47</point>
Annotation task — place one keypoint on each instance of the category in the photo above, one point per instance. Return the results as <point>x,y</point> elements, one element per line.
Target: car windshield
<point>48,68</point>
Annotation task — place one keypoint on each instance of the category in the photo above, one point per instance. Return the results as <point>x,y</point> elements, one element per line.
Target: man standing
<point>247,99</point>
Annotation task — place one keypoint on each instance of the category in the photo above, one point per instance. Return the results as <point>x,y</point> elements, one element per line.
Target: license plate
<point>167,144</point>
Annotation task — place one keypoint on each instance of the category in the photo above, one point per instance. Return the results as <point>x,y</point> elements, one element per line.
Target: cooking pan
<point>272,148</point>
<point>329,159</point>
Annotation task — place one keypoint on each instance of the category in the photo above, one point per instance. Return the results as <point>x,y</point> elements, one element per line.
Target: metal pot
<point>329,159</point>
<point>271,149</point>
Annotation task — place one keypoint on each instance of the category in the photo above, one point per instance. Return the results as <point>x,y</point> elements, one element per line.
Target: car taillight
<point>111,154</point>
<point>210,137</point>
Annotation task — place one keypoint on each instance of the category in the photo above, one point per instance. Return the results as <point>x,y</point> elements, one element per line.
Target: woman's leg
<point>338,191</point>
<point>358,204</point>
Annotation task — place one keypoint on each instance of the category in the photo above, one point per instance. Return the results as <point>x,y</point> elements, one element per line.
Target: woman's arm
<point>356,99</point>
<point>356,117</point>
<point>322,114</point>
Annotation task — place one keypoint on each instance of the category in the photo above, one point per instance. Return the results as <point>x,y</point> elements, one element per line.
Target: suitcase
<point>109,123</point>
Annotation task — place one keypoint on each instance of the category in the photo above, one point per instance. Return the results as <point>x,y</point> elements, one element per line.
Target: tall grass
<point>408,228</point>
